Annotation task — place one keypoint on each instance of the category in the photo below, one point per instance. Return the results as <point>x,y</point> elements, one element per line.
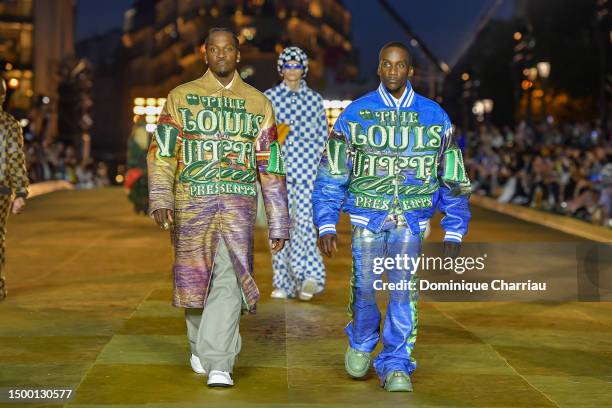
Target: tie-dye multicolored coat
<point>211,144</point>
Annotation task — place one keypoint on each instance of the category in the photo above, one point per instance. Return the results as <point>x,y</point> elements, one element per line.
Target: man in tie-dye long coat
<point>215,137</point>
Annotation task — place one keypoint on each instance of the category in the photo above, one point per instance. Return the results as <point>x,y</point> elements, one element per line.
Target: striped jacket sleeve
<point>333,177</point>
<point>453,197</point>
<point>271,172</point>
<point>162,159</point>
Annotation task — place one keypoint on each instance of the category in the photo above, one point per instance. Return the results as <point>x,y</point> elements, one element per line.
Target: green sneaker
<point>357,363</point>
<point>398,381</point>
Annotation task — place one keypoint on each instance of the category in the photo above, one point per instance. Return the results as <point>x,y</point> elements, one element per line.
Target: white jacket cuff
<point>327,229</point>
<point>453,236</point>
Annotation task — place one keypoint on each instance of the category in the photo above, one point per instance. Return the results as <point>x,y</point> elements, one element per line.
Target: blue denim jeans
<point>400,327</point>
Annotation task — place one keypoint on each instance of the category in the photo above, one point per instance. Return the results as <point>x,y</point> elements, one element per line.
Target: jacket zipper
<point>396,181</point>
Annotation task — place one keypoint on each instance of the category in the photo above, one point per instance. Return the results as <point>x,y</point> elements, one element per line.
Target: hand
<point>277,244</point>
<point>164,218</point>
<point>451,249</point>
<point>18,205</point>
<point>326,243</point>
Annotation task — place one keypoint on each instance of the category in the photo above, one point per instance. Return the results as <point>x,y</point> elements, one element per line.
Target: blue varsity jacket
<point>383,156</point>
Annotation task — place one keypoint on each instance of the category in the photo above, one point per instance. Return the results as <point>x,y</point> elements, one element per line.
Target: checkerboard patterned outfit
<point>303,112</point>
<point>13,177</point>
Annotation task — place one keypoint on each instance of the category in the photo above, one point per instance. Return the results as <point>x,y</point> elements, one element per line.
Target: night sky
<point>445,25</point>
<point>97,17</point>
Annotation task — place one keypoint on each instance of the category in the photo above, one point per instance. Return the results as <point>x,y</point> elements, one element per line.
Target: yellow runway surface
<point>89,310</point>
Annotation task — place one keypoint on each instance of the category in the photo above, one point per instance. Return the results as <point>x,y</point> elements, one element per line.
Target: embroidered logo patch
<point>222,187</point>
<point>275,163</point>
<point>165,136</point>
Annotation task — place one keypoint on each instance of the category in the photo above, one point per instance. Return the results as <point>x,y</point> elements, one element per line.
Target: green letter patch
<point>165,136</point>
<point>275,164</point>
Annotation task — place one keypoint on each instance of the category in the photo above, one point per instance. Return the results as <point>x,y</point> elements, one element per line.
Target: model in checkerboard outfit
<point>298,268</point>
<point>13,176</point>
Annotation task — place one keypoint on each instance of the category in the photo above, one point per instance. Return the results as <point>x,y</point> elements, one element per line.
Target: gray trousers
<point>213,331</point>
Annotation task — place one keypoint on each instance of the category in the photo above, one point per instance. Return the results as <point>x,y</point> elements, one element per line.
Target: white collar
<point>389,100</point>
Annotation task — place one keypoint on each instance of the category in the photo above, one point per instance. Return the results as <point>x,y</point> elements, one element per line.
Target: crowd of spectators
<point>58,161</point>
<point>566,169</point>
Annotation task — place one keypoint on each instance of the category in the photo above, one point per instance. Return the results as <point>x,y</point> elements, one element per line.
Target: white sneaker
<point>279,294</point>
<point>309,288</point>
<point>196,365</point>
<point>218,378</point>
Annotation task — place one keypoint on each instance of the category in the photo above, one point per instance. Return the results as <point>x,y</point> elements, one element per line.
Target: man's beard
<point>224,72</point>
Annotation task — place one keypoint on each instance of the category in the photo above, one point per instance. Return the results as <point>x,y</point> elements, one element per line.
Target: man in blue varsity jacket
<point>390,161</point>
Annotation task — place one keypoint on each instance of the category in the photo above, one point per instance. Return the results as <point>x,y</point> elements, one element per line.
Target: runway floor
<point>89,310</point>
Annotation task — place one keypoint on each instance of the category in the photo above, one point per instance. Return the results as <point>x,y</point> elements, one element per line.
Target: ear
<point>238,57</point>
<point>378,69</point>
<point>410,72</point>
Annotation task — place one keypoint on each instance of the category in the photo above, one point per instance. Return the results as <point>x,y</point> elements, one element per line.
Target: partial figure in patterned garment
<point>13,177</point>
<point>136,175</point>
<point>215,137</point>
<point>299,111</point>
<point>390,162</point>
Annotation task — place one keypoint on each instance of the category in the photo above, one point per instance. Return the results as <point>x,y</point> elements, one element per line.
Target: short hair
<point>222,30</point>
<point>395,44</point>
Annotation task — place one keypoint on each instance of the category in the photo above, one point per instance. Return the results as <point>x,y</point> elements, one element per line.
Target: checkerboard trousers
<point>300,258</point>
<point>5,204</point>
